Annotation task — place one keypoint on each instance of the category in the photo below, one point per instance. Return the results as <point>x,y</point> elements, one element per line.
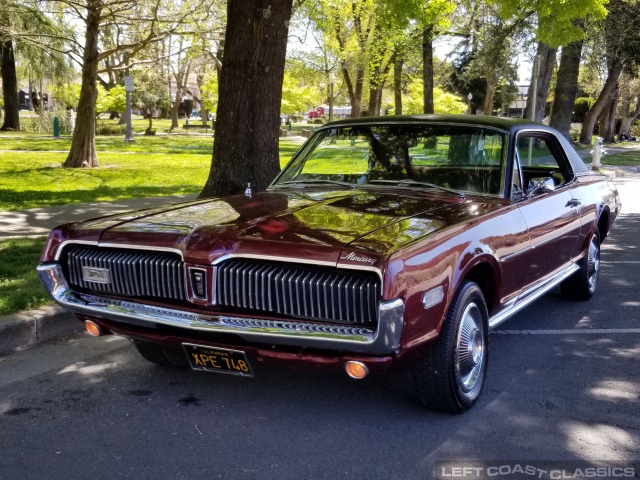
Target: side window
<point>539,159</point>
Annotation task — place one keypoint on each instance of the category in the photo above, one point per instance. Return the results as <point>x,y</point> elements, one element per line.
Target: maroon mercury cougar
<point>384,243</point>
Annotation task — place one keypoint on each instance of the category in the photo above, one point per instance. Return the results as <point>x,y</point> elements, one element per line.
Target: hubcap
<point>470,348</point>
<point>593,263</point>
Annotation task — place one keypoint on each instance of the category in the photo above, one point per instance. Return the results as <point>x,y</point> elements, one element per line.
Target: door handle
<point>574,202</point>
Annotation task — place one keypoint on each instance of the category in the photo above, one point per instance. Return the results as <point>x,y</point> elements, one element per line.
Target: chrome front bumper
<point>382,341</point>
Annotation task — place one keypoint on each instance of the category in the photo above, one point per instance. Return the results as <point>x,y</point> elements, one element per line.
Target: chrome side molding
<point>526,298</point>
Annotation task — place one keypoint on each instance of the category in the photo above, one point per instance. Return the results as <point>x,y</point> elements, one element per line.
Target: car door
<point>552,215</point>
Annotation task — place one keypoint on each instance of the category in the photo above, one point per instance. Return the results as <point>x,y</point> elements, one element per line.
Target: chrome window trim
<point>558,144</point>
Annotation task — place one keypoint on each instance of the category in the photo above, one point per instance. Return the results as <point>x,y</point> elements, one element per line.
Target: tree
<point>443,102</point>
<point>151,93</point>
<point>115,100</point>
<point>296,97</point>
<point>564,95</point>
<point>629,93</point>
<point>140,24</point>
<point>250,92</point>
<point>547,64</point>
<point>9,87</point>
<point>621,32</point>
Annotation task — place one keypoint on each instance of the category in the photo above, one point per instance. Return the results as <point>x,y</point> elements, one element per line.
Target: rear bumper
<point>385,340</point>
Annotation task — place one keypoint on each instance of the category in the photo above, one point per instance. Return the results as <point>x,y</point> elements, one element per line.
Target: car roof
<point>503,123</point>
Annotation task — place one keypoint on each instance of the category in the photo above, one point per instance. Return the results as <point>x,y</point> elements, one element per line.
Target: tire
<point>451,376</point>
<point>160,355</point>
<point>582,284</point>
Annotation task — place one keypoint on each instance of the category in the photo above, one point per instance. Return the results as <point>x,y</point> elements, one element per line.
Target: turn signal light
<point>357,370</point>
<point>93,328</point>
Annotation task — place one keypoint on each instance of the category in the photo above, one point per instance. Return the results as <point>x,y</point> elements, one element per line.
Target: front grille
<point>305,292</point>
<point>130,272</point>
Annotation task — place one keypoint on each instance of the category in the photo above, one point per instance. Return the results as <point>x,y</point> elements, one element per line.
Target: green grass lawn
<point>20,287</point>
<point>31,174</point>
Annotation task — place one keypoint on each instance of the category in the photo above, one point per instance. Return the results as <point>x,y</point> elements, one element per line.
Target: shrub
<point>574,131</point>
<point>580,108</point>
<point>43,123</point>
<point>110,129</point>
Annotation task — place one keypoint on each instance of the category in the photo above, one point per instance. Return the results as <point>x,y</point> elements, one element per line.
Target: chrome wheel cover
<point>593,263</point>
<point>470,349</point>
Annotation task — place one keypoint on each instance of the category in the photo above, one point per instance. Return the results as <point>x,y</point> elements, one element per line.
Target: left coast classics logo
<point>93,274</point>
<point>356,258</point>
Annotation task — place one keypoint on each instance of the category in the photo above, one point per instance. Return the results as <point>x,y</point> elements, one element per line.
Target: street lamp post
<point>332,80</point>
<point>470,97</point>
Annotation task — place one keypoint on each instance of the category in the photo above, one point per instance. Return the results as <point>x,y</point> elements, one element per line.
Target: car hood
<point>359,227</point>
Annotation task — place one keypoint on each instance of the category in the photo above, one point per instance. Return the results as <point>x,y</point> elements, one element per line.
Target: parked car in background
<point>385,243</point>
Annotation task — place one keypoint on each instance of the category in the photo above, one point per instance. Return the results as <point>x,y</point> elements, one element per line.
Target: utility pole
<point>128,87</point>
<point>534,90</point>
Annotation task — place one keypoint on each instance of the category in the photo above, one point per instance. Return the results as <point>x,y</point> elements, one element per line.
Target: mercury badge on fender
<point>384,243</point>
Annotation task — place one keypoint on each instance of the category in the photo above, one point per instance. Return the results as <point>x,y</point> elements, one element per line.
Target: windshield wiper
<point>312,181</point>
<point>406,182</point>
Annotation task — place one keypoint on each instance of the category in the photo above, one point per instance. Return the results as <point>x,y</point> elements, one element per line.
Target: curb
<point>35,326</point>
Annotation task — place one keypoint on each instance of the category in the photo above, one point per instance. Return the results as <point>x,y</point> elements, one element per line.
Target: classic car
<point>384,243</point>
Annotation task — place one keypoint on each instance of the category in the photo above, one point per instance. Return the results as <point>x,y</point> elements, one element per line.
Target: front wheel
<point>582,284</point>
<point>451,376</point>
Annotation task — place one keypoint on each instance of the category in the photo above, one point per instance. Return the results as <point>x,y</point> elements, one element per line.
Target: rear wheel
<point>160,355</point>
<point>582,284</point>
<point>451,376</point>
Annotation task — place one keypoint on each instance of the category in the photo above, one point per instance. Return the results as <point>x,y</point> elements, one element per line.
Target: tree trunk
<point>250,92</point>
<point>609,117</point>
<point>176,106</point>
<point>629,116</point>
<point>371,109</point>
<point>83,145</point>
<point>564,95</point>
<point>605,95</point>
<point>398,62</point>
<point>427,68</point>
<point>356,105</point>
<point>150,127</point>
<point>547,64</point>
<point>10,88</point>
<point>487,108</point>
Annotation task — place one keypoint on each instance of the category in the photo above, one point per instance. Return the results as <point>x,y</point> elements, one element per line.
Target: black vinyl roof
<point>503,123</point>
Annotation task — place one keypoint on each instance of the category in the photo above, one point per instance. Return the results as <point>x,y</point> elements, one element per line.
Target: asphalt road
<point>564,384</point>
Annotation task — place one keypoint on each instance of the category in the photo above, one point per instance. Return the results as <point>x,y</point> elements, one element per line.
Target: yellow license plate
<point>221,360</point>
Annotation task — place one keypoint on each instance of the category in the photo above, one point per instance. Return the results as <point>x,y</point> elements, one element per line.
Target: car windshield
<point>448,158</point>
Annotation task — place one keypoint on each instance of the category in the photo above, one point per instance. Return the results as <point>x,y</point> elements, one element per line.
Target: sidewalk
<point>39,221</point>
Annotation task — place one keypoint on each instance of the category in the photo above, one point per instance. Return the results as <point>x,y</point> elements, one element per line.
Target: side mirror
<point>540,185</point>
